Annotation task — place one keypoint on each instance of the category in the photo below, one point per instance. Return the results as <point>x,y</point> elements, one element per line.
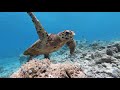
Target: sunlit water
<point>17,31</point>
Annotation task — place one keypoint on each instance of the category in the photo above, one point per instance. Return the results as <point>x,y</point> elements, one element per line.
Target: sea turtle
<point>48,43</point>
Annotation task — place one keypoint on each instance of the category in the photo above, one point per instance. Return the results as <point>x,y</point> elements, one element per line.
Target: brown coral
<point>46,69</point>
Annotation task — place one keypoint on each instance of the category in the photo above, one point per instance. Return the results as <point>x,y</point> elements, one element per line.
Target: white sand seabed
<point>8,66</point>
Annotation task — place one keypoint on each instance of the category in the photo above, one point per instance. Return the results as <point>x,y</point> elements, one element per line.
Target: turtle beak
<point>73,33</point>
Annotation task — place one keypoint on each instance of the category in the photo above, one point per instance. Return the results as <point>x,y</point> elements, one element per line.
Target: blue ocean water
<point>17,31</point>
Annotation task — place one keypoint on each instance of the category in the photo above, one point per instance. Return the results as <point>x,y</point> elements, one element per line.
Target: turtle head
<point>66,35</point>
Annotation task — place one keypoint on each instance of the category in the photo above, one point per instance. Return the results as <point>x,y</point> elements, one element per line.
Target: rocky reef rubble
<point>99,59</point>
<point>46,69</point>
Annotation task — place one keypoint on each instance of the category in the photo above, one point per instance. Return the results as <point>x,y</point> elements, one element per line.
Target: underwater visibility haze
<point>17,32</point>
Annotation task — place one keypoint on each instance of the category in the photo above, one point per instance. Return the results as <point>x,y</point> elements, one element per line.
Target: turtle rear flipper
<point>34,48</point>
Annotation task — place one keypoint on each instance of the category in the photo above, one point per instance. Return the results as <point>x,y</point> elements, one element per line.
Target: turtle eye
<point>67,33</point>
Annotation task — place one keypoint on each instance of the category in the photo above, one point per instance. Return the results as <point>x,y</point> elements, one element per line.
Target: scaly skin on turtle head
<point>66,35</point>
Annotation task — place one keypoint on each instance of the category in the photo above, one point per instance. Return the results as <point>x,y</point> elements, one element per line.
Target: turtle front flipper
<point>71,44</point>
<point>43,35</point>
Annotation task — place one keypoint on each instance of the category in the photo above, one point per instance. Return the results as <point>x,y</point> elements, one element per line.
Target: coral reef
<point>99,59</point>
<point>46,69</point>
<point>101,62</point>
<point>95,60</point>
